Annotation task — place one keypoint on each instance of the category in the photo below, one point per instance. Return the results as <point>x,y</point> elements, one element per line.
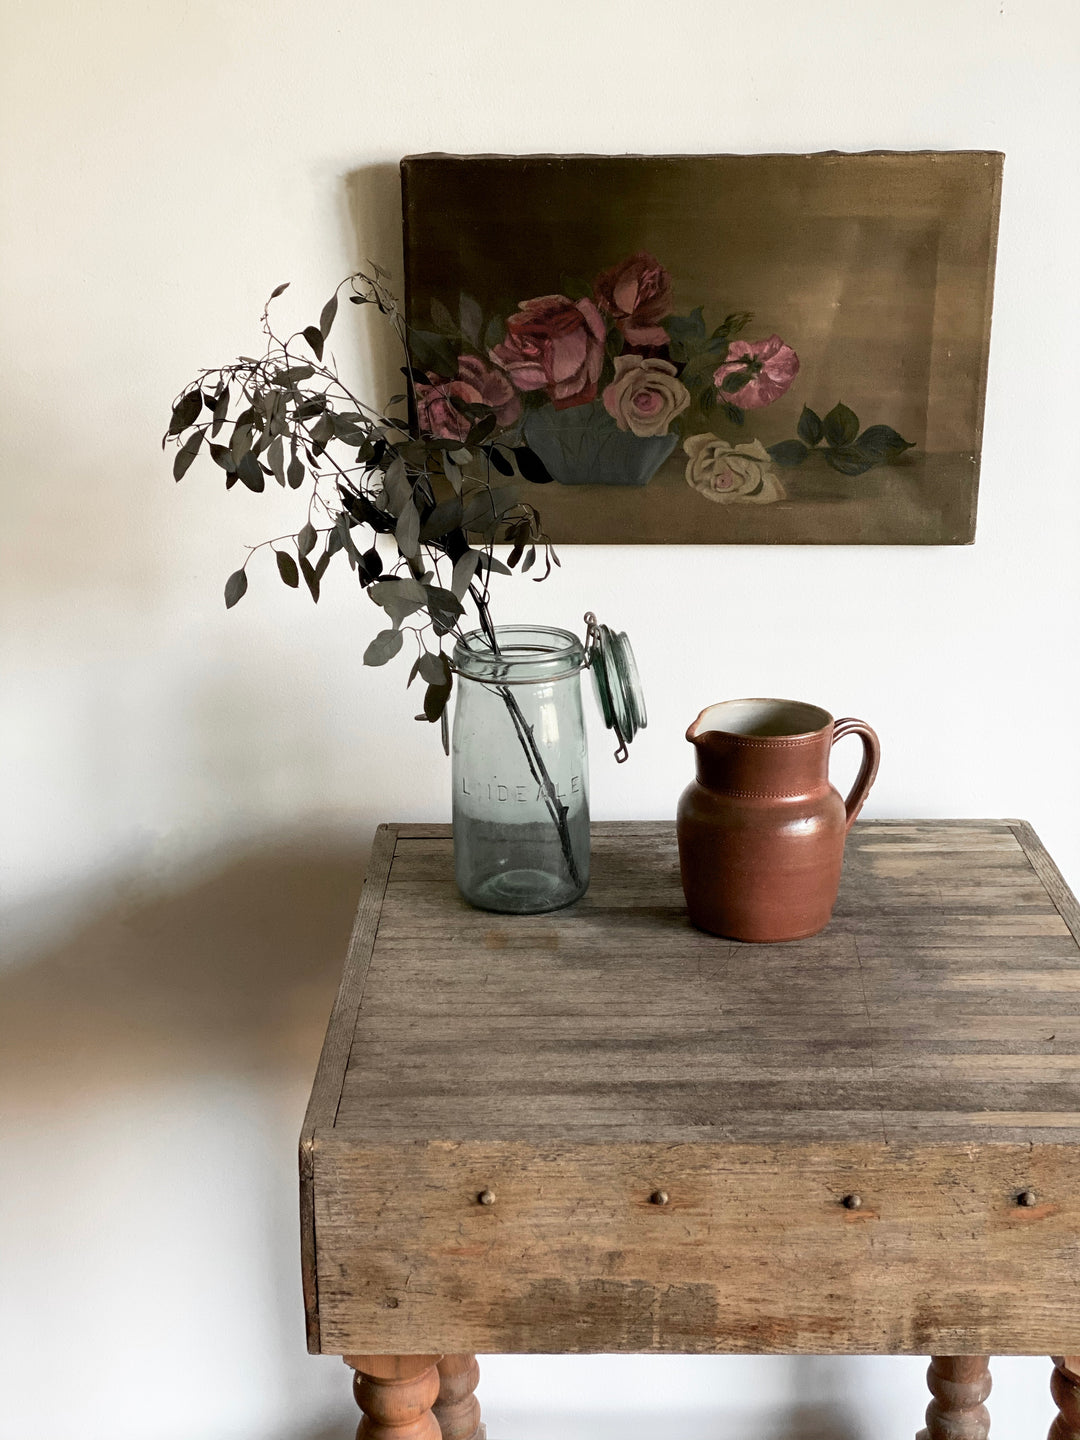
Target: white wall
<point>189,793</point>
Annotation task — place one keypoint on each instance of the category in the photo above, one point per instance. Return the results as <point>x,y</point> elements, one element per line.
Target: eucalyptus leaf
<point>314,338</point>
<point>221,410</point>
<point>384,647</point>
<point>250,472</point>
<point>306,540</point>
<point>275,457</point>
<point>279,290</point>
<point>530,465</point>
<point>295,472</point>
<point>435,669</point>
<point>452,473</point>
<point>186,454</point>
<point>399,598</point>
<point>287,568</point>
<point>221,455</point>
<point>186,411</point>
<point>435,698</point>
<point>499,460</point>
<point>444,608</point>
<point>235,588</point>
<point>464,570</point>
<point>326,319</point>
<point>397,487</point>
<point>311,577</point>
<point>407,531</point>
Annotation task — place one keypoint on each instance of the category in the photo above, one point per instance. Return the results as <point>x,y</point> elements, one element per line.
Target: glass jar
<point>520,770</point>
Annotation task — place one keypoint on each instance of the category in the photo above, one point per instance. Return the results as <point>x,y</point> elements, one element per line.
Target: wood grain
<point>924,1050</point>
<point>326,1090</point>
<point>755,1251</point>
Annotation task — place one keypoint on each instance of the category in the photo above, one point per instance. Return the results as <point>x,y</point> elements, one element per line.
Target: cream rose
<point>730,473</point>
<point>645,395</point>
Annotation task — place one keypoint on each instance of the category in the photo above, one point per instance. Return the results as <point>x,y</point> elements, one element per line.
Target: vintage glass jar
<point>520,770</point>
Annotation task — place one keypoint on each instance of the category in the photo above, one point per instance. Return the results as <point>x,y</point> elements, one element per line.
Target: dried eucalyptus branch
<point>288,417</point>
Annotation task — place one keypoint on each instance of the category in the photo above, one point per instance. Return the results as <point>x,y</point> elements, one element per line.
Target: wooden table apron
<point>843,1127</point>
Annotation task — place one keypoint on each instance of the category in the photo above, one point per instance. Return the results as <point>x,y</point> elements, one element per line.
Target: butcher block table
<point>602,1130</point>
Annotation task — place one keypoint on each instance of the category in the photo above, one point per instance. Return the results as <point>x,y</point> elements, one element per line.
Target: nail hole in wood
<point>486,1197</point>
<point>852,1202</point>
<point>659,1197</point>
<point>1026,1198</point>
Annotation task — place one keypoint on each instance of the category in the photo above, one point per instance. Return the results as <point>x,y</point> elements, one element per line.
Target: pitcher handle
<point>867,770</point>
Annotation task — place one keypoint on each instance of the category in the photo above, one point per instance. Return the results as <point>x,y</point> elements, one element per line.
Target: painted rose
<point>769,366</point>
<point>645,395</point>
<point>731,473</point>
<point>557,345</point>
<point>475,384</point>
<point>637,296</point>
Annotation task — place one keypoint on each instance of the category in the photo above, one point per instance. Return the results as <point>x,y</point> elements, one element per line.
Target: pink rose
<point>645,395</point>
<point>476,384</point>
<point>769,366</point>
<point>637,294</point>
<point>554,344</point>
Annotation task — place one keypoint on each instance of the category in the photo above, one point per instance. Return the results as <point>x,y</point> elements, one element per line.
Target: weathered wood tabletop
<point>868,1141</point>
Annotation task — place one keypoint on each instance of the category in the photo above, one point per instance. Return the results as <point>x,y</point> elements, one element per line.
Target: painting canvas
<point>713,349</point>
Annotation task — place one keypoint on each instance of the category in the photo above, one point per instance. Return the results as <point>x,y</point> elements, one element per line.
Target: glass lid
<point>618,686</point>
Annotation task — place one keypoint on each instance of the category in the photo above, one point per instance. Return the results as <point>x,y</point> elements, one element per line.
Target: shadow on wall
<point>153,1074</point>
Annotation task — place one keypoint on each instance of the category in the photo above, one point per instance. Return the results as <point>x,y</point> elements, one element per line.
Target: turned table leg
<point>396,1393</point>
<point>959,1385</point>
<point>1065,1388</point>
<point>457,1408</point>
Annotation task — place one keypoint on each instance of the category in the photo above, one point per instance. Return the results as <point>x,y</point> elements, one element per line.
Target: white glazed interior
<point>761,717</point>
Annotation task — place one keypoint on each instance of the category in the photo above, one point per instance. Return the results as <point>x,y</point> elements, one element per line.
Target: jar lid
<point>618,686</point>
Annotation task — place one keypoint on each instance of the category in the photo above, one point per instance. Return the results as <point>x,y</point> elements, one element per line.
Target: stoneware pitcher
<point>761,830</point>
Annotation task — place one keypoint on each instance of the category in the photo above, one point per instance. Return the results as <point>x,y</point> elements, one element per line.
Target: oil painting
<point>712,349</point>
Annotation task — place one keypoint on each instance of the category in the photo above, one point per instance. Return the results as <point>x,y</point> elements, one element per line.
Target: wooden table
<point>602,1130</point>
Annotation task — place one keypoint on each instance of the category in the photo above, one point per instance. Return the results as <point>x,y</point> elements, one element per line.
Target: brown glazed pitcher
<point>761,830</point>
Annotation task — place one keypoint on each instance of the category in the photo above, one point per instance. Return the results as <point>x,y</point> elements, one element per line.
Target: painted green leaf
<point>789,452</point>
<point>881,443</point>
<point>810,427</point>
<point>841,425</point>
<point>848,461</point>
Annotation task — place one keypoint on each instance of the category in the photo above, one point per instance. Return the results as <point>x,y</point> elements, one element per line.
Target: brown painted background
<point>876,268</point>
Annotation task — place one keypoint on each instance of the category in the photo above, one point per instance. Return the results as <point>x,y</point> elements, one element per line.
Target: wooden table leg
<point>1065,1388</point>
<point>959,1385</point>
<point>457,1408</point>
<point>396,1393</point>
